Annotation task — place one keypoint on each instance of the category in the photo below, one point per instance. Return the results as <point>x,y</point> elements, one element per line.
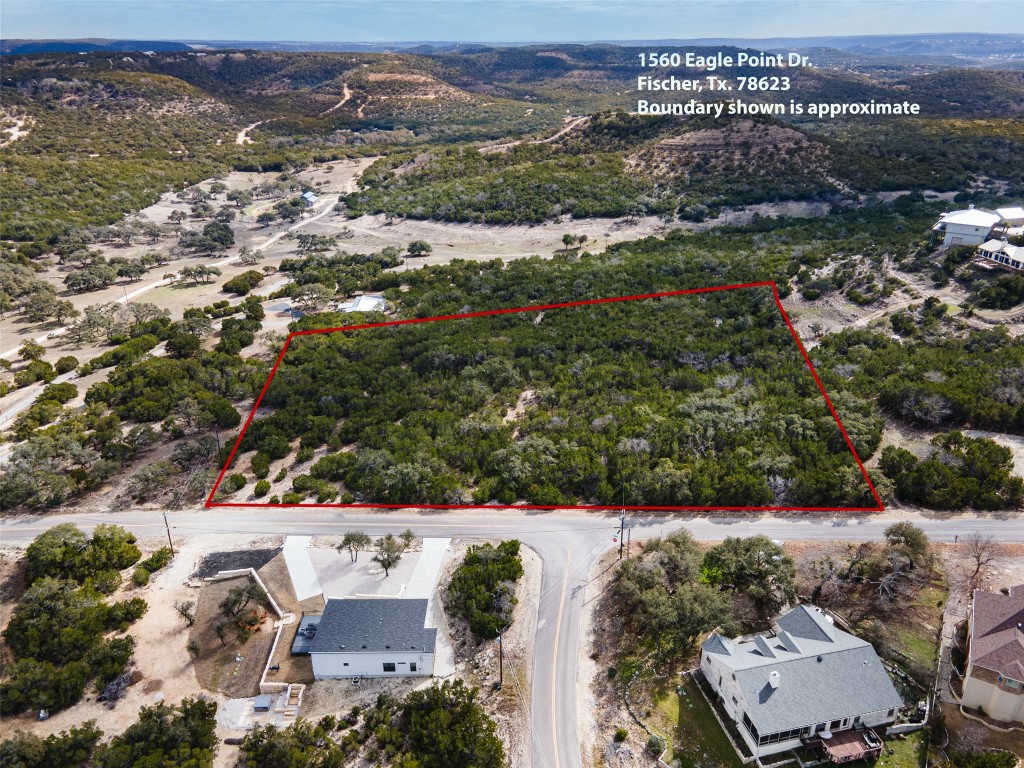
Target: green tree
<point>910,540</point>
<point>419,248</point>
<point>444,727</point>
<point>754,566</point>
<point>69,749</point>
<point>312,296</point>
<point>57,552</point>
<point>389,553</point>
<point>182,736</point>
<point>482,588</point>
<point>31,350</point>
<point>354,541</point>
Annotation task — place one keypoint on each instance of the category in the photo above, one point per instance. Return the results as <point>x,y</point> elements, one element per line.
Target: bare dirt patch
<point>12,581</point>
<point>292,669</point>
<point>230,667</point>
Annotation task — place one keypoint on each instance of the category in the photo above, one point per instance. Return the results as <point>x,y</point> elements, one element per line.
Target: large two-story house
<point>807,683</point>
<point>969,227</point>
<point>994,681</point>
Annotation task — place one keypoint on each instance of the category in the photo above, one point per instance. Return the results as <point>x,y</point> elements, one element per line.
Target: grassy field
<point>694,735</point>
<point>908,751</point>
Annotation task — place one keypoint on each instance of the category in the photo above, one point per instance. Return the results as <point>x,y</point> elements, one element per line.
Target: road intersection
<point>569,544</point>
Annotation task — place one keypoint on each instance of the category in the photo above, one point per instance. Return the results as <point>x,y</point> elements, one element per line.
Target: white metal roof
<point>1011,213</point>
<point>364,303</point>
<point>972,217</point>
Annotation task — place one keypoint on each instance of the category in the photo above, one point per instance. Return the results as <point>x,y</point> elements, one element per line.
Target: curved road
<point>569,545</point>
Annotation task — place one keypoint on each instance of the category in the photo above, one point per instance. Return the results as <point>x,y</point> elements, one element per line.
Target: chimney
<point>773,680</point>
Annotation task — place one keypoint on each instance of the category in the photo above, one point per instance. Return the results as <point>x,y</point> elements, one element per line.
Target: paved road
<point>569,545</point>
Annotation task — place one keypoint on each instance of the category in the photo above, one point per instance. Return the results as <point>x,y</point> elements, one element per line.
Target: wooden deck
<point>848,746</point>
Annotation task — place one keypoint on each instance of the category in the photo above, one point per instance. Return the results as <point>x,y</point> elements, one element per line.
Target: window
<point>751,729</point>
<point>856,720</point>
<point>344,664</point>
<point>389,666</point>
<point>833,725</point>
<point>412,666</point>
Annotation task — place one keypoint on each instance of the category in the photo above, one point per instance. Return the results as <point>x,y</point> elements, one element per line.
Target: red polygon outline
<point>766,284</point>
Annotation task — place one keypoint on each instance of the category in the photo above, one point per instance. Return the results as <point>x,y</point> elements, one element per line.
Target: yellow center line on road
<point>554,661</point>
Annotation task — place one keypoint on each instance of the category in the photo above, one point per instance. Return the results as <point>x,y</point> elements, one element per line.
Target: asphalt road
<point>569,545</point>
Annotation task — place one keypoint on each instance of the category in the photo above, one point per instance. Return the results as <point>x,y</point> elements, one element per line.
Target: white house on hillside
<point>971,227</point>
<point>810,684</point>
<point>373,638</point>
<point>1012,217</point>
<point>1002,253</point>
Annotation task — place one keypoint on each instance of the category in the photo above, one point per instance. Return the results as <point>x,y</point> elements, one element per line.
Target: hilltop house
<point>363,303</point>
<point>994,682</point>
<point>808,683</point>
<point>971,227</point>
<point>372,638</point>
<point>309,198</point>
<point>1002,253</point>
<point>1012,217</point>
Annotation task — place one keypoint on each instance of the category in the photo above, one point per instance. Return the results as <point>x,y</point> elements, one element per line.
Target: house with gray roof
<point>806,682</point>
<point>994,682</point>
<point>373,638</point>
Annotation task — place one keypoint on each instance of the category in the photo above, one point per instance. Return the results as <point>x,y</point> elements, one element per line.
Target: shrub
<point>66,364</point>
<point>655,745</point>
<point>481,589</point>
<point>126,612</point>
<point>235,482</point>
<point>243,283</point>
<point>260,464</point>
<point>261,489</point>
<point>157,560</point>
<point>65,552</point>
<point>621,734</point>
<point>106,582</point>
<point>140,577</point>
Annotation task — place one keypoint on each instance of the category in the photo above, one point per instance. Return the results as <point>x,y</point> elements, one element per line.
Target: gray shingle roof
<point>373,626</point>
<point>832,675</point>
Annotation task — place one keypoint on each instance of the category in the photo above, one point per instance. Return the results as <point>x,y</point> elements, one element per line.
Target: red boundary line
<point>542,307</point>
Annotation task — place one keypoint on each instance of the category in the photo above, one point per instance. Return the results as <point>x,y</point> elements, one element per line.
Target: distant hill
<point>968,48</point>
<point>23,47</point>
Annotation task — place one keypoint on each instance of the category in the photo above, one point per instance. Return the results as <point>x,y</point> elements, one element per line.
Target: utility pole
<point>169,542</point>
<point>501,655</point>
<point>622,530</point>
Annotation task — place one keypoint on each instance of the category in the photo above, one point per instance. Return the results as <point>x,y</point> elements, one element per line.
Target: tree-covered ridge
<point>629,165</point>
<point>682,401</point>
<point>102,144</point>
<point>529,183</point>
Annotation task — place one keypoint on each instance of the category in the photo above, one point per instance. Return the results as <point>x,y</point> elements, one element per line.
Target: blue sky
<point>495,20</point>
